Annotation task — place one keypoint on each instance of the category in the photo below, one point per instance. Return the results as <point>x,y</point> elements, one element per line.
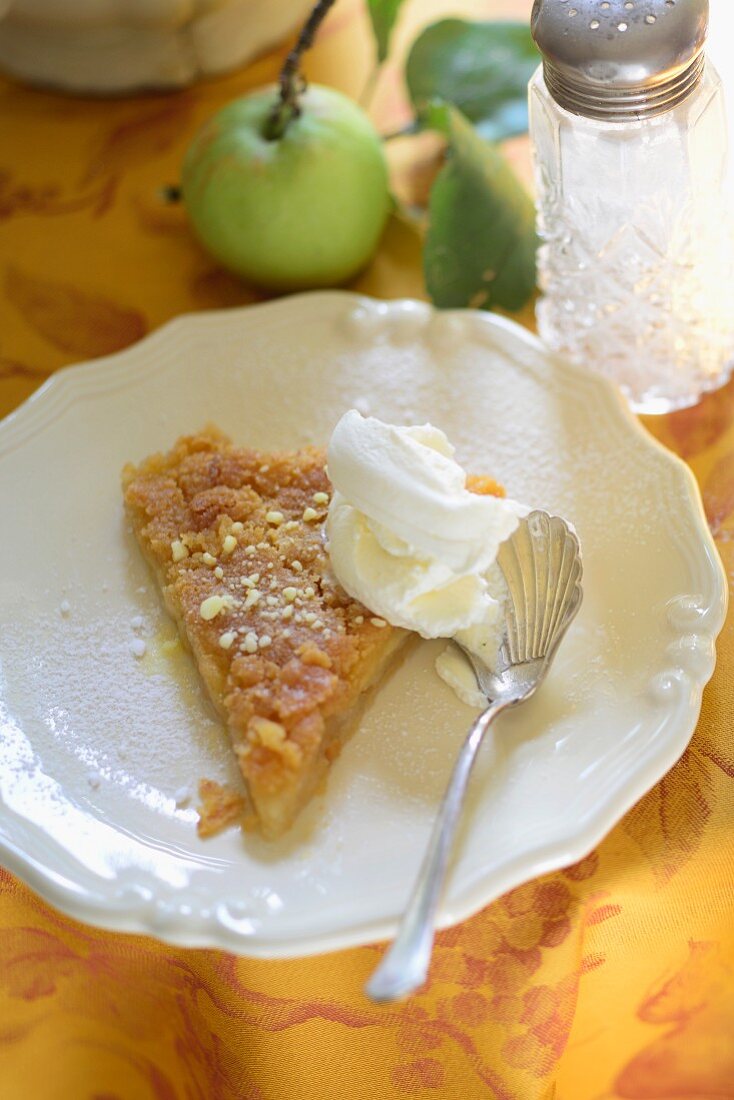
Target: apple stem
<point>291,80</point>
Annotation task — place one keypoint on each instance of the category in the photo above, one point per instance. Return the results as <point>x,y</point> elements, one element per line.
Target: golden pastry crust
<point>484,486</point>
<point>235,537</point>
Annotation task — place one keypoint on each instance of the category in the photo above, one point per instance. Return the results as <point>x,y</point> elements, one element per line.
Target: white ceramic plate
<point>94,743</point>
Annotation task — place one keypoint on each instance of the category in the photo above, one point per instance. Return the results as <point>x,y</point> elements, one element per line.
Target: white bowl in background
<point>118,46</point>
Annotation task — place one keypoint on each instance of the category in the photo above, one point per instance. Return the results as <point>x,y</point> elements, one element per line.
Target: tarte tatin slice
<point>236,539</point>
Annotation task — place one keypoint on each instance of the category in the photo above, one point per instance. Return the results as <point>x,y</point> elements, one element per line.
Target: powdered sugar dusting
<point>74,701</point>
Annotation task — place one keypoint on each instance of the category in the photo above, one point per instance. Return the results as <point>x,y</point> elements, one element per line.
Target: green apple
<point>303,210</point>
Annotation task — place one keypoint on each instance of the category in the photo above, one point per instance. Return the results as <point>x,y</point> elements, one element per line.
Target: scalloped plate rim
<point>168,927</point>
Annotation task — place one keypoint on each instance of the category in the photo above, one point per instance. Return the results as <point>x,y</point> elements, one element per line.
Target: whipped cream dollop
<point>408,539</point>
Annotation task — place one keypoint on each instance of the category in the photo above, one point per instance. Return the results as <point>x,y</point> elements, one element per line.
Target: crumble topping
<point>179,550</point>
<point>238,545</point>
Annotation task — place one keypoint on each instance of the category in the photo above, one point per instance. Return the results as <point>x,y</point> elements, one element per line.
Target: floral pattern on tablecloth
<point>610,980</point>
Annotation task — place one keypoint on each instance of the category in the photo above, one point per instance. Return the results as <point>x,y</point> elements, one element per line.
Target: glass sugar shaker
<point>629,139</point>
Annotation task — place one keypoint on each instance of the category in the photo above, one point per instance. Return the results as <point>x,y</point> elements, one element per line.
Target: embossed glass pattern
<point>636,264</point>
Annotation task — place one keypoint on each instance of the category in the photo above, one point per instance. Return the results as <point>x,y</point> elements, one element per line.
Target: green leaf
<point>383,14</point>
<point>481,241</point>
<point>482,68</point>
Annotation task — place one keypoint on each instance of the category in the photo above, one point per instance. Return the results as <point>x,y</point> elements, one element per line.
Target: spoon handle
<point>404,967</point>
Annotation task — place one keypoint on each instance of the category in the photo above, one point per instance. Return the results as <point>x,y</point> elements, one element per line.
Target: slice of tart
<point>235,537</point>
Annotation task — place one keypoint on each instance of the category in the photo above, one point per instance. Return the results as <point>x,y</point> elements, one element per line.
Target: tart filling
<point>235,538</point>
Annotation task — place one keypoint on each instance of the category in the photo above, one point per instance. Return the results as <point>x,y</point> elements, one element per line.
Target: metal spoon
<point>541,565</point>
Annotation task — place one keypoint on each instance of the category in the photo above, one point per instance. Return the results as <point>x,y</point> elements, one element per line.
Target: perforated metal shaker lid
<point>620,59</point>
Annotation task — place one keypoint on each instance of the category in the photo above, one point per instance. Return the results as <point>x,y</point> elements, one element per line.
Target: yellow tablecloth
<point>611,979</point>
